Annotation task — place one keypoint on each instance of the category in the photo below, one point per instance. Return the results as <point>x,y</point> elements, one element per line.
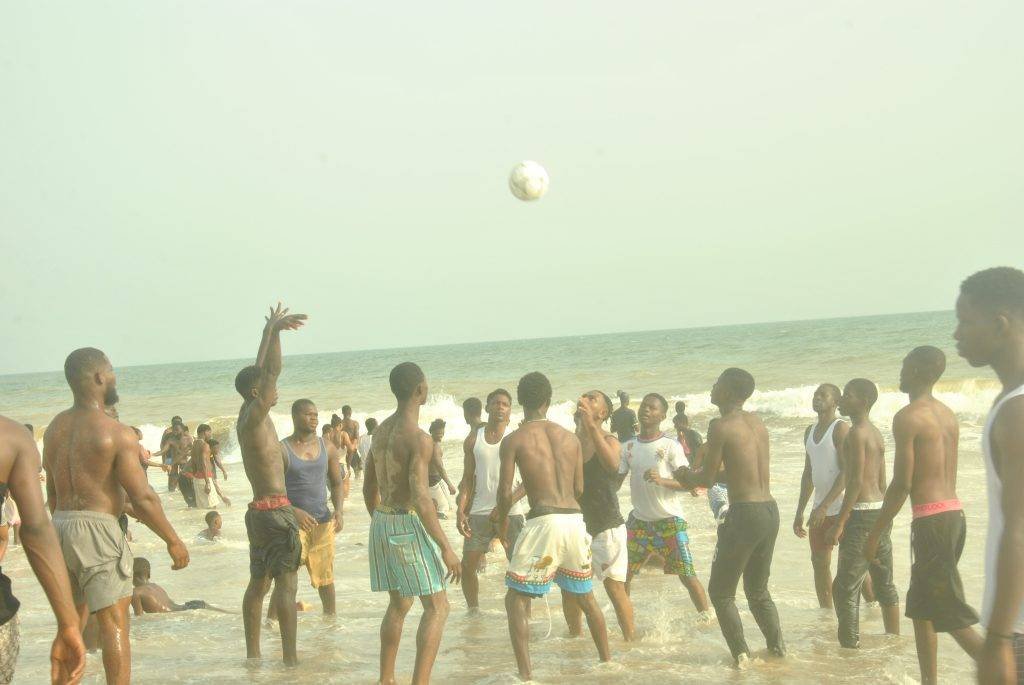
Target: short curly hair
<point>534,390</point>
<point>1000,287</point>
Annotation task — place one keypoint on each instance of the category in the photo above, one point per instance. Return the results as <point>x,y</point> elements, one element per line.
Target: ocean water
<point>788,360</point>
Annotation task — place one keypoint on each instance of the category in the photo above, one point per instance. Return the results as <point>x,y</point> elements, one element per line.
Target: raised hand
<point>280,320</point>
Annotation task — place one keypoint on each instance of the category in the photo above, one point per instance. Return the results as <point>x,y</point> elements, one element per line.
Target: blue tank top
<point>306,482</point>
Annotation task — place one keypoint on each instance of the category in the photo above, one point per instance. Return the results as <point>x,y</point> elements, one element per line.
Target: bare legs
<point>470,581</point>
<point>616,589</point>
<point>428,637</point>
<point>517,606</point>
<point>696,590</point>
<point>282,602</point>
<point>822,564</point>
<point>117,650</point>
<point>927,648</point>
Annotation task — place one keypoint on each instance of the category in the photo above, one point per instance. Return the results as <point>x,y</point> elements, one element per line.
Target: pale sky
<point>168,169</point>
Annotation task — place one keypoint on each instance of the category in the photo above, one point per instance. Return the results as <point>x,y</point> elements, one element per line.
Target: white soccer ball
<point>528,181</point>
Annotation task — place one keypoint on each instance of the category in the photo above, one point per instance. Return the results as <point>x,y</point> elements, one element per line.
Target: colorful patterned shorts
<point>667,538</point>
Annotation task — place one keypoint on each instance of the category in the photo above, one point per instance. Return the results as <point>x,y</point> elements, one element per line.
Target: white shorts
<point>610,559</point>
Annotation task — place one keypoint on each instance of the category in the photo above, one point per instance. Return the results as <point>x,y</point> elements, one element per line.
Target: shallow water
<point>204,646</point>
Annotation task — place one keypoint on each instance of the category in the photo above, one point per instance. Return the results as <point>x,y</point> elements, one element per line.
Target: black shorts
<point>274,546</point>
<point>936,593</point>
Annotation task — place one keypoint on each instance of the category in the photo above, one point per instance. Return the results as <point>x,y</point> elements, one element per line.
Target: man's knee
<point>436,604</point>
<point>287,581</point>
<point>821,560</point>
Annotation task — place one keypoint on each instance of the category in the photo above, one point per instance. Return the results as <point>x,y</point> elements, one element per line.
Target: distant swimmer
<point>19,479</point>
<point>440,484</point>
<point>926,434</point>
<point>410,555</point>
<point>213,526</point>
<point>990,332</point>
<point>553,545</point>
<point>472,410</point>
<point>270,523</point>
<point>92,463</point>
<point>150,598</point>
<point>823,475</point>
<point>314,468</point>
<point>746,540</point>
<point>478,495</point>
<point>624,423</point>
<point>657,523</point>
<point>864,469</point>
<point>599,504</point>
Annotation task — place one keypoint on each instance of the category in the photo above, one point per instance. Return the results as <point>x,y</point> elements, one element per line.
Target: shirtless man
<point>19,478</point>
<point>554,545</point>
<point>478,495</point>
<point>204,488</point>
<point>746,540</point>
<point>351,426</point>
<point>927,434</point>
<point>91,463</point>
<point>472,411</point>
<point>864,466</point>
<point>410,556</point>
<point>343,443</point>
<point>990,332</point>
<point>440,484</point>
<point>172,433</point>
<point>274,547</point>
<point>823,474</point>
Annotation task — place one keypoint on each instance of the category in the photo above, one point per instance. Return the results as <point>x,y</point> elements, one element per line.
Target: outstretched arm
<point>268,358</point>
<point>145,502</point>
<point>39,540</point>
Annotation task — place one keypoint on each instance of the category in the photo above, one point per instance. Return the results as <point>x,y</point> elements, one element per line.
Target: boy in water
<point>150,598</point>
<point>213,525</point>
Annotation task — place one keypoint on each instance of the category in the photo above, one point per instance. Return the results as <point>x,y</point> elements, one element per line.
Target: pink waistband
<point>933,508</point>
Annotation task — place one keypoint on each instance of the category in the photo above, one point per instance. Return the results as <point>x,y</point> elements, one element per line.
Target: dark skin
<point>927,435</point>
<point>550,462</point>
<point>825,403</point>
<point>92,464</point>
<point>264,463</point>
<point>597,443</point>
<point>437,460</point>
<point>863,463</point>
<point>304,443</point>
<point>200,461</point>
<point>737,442</point>
<point>19,469</point>
<point>994,336</point>
<point>395,476</point>
<point>150,598</point>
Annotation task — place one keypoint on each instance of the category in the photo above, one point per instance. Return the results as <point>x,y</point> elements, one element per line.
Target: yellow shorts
<point>318,553</point>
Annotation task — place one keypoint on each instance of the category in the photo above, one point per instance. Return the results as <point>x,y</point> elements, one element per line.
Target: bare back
<point>83,450</point>
<point>395,444</point>
<point>745,456</point>
<point>864,452</point>
<point>935,433</point>
<point>550,463</point>
<point>262,456</point>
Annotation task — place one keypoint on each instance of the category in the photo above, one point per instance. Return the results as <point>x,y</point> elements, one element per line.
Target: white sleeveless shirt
<point>996,522</point>
<point>824,466</point>
<point>488,471</point>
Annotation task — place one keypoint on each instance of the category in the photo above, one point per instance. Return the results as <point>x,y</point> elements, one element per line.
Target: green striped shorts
<point>403,557</point>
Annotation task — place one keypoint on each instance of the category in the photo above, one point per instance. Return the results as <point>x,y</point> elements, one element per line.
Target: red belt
<point>270,502</point>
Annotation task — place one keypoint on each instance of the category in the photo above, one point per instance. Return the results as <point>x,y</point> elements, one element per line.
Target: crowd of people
<point>549,497</point>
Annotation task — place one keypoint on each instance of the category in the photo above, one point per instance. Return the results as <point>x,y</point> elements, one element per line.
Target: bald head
<point>922,368</point>
<point>88,372</point>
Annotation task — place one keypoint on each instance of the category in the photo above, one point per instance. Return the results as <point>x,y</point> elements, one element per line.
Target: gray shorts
<point>483,533</point>
<point>97,556</point>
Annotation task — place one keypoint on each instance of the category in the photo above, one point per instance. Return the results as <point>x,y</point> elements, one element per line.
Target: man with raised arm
<point>478,495</point>
<point>92,463</point>
<point>410,556</point>
<point>274,547</point>
<point>990,332</point>
<point>823,474</point>
<point>599,504</point>
<point>926,433</point>
<point>19,478</point>
<point>746,540</point>
<point>864,466</point>
<point>554,545</point>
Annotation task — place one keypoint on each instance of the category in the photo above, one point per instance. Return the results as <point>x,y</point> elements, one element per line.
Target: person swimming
<point>150,598</point>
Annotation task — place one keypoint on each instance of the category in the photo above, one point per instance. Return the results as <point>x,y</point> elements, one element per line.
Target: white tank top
<point>995,516</point>
<point>488,471</point>
<point>824,466</point>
